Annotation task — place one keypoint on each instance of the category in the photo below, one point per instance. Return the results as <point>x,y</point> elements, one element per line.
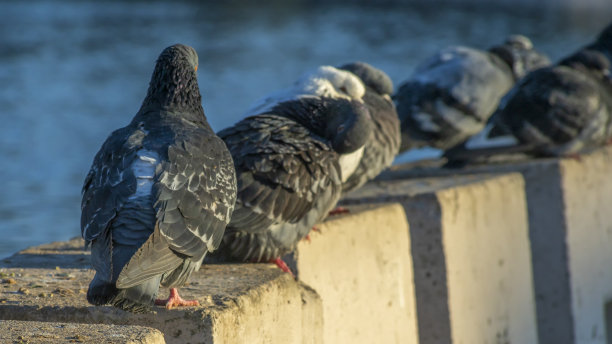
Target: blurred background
<point>71,72</point>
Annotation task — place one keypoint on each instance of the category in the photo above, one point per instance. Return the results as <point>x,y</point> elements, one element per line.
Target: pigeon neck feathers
<point>174,87</point>
<point>517,53</point>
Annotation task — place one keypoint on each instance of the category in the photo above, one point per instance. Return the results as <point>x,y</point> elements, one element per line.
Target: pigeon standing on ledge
<point>452,94</point>
<point>159,193</point>
<point>382,147</point>
<point>290,164</point>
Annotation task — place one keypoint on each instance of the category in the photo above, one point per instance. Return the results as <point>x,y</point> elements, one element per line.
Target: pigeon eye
<point>341,128</point>
<point>343,89</point>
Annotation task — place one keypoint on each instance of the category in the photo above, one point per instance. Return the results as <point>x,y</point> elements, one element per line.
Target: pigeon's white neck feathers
<point>349,162</point>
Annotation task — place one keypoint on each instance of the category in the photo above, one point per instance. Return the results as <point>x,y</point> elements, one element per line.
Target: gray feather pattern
<point>160,191</point>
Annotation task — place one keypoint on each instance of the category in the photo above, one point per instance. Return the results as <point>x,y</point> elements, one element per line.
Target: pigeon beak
<point>196,68</point>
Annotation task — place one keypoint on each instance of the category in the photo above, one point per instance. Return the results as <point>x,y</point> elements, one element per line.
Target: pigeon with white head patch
<point>290,170</point>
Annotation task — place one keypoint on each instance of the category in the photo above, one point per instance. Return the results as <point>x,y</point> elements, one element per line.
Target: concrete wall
<point>514,253</point>
<point>471,256</point>
<point>248,303</point>
<point>360,265</point>
<point>570,231</point>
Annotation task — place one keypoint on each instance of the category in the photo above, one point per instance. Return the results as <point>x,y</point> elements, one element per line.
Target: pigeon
<point>290,164</point>
<point>159,193</point>
<point>382,147</point>
<point>561,110</point>
<point>323,81</point>
<point>451,95</point>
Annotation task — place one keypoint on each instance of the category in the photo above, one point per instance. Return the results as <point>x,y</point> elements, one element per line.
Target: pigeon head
<point>174,82</point>
<point>605,37</point>
<point>371,76</point>
<point>518,53</point>
<point>589,61</point>
<point>348,125</point>
<point>327,81</point>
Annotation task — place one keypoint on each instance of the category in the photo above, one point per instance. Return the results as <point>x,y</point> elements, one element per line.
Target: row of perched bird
<point>165,191</point>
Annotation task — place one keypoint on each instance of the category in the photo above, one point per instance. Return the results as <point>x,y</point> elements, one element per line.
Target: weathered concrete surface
<point>33,332</point>
<point>254,303</point>
<point>360,265</point>
<point>470,248</point>
<point>570,224</point>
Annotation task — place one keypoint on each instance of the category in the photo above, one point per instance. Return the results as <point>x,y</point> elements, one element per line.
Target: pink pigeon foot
<point>174,300</point>
<point>282,265</point>
<point>339,210</point>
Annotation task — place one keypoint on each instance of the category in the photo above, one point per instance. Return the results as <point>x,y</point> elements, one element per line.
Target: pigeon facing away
<point>561,110</point>
<point>451,95</point>
<point>382,147</point>
<point>290,170</point>
<point>159,193</point>
<point>324,81</point>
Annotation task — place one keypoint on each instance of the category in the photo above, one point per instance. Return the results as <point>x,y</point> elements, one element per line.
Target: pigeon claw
<point>282,265</point>
<point>174,300</point>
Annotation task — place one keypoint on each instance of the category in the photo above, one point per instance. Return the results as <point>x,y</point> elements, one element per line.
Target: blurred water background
<point>71,72</point>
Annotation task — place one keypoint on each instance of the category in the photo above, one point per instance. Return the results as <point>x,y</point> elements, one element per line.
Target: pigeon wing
<point>195,192</point>
<point>281,169</point>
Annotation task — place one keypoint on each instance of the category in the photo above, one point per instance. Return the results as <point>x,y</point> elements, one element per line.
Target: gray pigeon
<point>451,95</point>
<point>290,169</point>
<point>159,193</point>
<point>380,150</point>
<point>561,110</point>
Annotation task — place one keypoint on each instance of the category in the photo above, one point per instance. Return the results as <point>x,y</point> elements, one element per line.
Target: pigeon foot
<point>174,300</point>
<point>282,265</point>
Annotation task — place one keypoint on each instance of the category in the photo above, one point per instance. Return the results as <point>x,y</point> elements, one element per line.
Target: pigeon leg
<point>174,300</point>
<point>314,229</point>
<point>282,265</point>
<point>338,210</point>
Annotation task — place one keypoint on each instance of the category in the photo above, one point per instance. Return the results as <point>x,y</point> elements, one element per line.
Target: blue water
<point>71,72</point>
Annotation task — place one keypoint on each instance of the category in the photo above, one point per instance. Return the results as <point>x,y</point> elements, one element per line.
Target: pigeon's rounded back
<point>371,76</point>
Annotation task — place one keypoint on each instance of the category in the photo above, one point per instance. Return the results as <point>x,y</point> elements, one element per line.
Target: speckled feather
<point>158,225</point>
<point>289,176</point>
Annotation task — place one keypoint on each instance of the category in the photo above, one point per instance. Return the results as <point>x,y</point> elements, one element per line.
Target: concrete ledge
<point>570,224</point>
<point>470,248</point>
<point>31,332</point>
<point>360,265</point>
<point>254,303</point>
